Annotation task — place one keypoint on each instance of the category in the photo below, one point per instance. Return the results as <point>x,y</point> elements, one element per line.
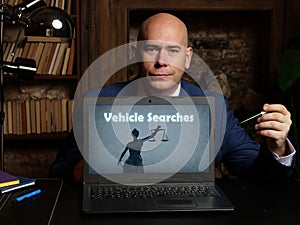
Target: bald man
<point>163,55</point>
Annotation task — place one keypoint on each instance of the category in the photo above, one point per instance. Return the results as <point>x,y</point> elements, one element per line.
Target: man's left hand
<point>275,125</point>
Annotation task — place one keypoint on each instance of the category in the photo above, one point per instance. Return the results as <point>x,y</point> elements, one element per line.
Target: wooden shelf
<point>64,83</point>
<point>30,137</point>
<point>56,77</point>
<point>32,154</point>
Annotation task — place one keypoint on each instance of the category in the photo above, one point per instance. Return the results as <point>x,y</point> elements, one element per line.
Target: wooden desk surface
<point>35,210</point>
<point>256,202</point>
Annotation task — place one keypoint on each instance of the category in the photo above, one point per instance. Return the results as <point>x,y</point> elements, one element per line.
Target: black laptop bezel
<point>140,179</point>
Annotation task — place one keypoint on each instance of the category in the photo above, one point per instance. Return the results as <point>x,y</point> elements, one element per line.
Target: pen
<point>252,117</point>
<point>28,195</point>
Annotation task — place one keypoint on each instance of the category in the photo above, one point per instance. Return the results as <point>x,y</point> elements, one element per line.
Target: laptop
<point>150,154</point>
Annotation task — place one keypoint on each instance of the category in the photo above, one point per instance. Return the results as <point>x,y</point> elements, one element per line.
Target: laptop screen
<point>148,136</point>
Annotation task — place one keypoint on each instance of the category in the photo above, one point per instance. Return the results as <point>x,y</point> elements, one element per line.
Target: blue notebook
<point>24,182</point>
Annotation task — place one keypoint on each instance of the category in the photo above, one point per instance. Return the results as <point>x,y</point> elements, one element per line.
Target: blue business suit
<point>241,155</point>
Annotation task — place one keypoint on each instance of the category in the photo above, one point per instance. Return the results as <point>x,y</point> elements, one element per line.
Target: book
<point>14,114</point>
<point>58,117</point>
<point>9,118</point>
<point>39,52</point>
<point>43,59</point>
<point>56,107</point>
<point>28,117</point>
<point>22,115</point>
<point>5,127</point>
<point>68,6</point>
<point>71,58</point>
<point>49,124</point>
<point>18,53</point>
<point>53,60</point>
<point>64,115</point>
<point>52,3</point>
<point>59,59</point>
<point>7,50</point>
<point>70,113</point>
<point>24,182</point>
<point>11,52</point>
<point>62,4</point>
<point>32,50</point>
<point>38,116</point>
<point>43,117</point>
<point>48,59</point>
<point>47,2</point>
<point>33,116</point>
<point>66,61</point>
<point>25,50</point>
<point>7,179</point>
<point>53,112</point>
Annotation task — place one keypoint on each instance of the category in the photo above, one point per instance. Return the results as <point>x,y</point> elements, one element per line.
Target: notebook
<point>150,154</point>
<point>24,182</point>
<point>7,179</point>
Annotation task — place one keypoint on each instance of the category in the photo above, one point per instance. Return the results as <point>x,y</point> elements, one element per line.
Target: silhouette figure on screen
<point>134,163</point>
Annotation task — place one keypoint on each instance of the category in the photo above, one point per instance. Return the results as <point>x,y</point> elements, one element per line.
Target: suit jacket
<point>241,155</point>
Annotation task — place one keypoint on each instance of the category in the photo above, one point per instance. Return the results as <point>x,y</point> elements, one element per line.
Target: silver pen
<point>252,117</point>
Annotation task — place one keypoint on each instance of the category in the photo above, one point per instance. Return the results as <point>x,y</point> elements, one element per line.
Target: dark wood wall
<point>105,25</point>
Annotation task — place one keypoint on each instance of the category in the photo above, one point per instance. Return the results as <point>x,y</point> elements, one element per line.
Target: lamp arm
<point>2,114</point>
<point>19,13</point>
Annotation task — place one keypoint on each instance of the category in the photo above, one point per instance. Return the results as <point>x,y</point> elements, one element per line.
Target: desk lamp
<point>38,20</point>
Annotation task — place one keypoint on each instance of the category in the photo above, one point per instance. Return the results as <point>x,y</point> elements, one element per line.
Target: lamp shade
<point>50,22</point>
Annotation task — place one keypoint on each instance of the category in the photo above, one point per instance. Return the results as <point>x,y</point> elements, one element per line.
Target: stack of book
<point>9,182</point>
<point>53,55</point>
<point>38,116</point>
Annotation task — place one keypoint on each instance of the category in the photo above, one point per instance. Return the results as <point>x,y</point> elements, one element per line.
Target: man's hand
<point>275,125</point>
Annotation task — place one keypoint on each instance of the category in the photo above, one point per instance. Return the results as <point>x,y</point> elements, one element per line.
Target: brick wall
<point>235,46</point>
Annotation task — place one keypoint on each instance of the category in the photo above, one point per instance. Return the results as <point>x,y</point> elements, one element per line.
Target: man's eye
<point>151,49</point>
<point>173,51</point>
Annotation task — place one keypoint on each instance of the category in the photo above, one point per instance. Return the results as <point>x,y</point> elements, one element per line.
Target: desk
<point>257,202</point>
<point>35,210</point>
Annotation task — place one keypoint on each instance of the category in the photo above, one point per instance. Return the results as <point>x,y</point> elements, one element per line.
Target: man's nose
<point>161,58</point>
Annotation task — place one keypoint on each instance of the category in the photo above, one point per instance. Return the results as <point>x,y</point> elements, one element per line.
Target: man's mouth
<point>159,75</point>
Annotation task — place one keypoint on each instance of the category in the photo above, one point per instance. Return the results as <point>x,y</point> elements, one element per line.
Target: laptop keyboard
<point>153,191</point>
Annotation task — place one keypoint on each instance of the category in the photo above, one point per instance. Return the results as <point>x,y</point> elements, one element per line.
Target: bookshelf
<point>29,151</point>
<point>55,82</point>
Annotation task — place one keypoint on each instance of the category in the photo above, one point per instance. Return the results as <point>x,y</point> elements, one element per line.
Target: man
<point>163,56</point>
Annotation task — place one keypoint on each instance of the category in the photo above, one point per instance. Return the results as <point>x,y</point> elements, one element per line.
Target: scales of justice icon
<point>164,135</point>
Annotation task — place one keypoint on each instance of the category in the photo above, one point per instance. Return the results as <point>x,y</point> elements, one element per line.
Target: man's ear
<point>188,57</point>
